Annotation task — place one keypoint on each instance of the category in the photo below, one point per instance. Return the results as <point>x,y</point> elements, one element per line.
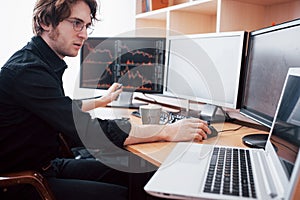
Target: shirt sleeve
<point>78,102</point>
<point>117,130</point>
<point>37,90</point>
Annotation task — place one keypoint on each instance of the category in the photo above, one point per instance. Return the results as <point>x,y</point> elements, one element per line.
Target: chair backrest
<point>28,177</point>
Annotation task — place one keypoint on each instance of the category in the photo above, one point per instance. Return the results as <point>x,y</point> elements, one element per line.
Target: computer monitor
<point>206,68</point>
<point>271,52</point>
<point>135,62</point>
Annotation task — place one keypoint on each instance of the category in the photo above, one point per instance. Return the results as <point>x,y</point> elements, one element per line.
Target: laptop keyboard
<point>230,173</point>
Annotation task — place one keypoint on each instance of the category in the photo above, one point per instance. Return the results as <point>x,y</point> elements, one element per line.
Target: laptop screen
<point>285,135</point>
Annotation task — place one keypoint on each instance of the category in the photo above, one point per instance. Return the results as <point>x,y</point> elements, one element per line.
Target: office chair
<point>28,177</point>
<point>34,178</point>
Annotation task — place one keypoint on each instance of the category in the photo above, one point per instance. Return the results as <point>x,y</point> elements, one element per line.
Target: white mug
<point>152,114</point>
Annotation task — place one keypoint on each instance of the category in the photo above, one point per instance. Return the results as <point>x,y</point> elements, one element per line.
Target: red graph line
<point>135,75</point>
<point>93,50</point>
<point>136,52</point>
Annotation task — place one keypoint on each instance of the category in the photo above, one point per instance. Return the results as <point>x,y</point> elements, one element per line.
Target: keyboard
<point>176,117</point>
<point>230,173</point>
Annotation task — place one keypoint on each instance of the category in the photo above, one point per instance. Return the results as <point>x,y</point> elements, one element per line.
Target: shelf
<point>156,14</point>
<point>199,6</point>
<point>185,18</point>
<point>196,6</point>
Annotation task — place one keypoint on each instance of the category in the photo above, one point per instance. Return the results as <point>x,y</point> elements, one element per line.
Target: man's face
<point>64,39</point>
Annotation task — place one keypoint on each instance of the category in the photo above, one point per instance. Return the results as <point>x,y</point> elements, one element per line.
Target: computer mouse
<point>214,132</point>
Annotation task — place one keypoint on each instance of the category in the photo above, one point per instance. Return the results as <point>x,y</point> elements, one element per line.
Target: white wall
<point>117,19</point>
<point>16,26</point>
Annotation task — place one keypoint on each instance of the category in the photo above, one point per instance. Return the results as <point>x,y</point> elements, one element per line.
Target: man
<point>34,110</point>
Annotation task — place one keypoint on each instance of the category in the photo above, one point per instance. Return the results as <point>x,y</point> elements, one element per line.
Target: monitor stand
<point>209,113</point>
<point>256,140</point>
<point>125,101</point>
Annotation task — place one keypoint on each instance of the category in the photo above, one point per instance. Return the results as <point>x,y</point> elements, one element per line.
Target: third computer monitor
<point>271,52</point>
<point>206,68</point>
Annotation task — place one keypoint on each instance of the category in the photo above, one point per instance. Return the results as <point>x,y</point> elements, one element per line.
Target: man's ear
<point>46,27</point>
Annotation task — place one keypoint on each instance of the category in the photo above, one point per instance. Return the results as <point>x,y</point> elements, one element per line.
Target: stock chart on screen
<point>136,63</point>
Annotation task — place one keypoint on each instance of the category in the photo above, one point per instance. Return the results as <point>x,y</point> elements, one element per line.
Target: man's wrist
<point>101,102</point>
<point>165,133</point>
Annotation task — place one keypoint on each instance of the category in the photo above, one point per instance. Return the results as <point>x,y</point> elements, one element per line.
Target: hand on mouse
<point>187,129</point>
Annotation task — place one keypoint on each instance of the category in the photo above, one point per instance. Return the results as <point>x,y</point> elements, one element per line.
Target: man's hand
<point>187,130</point>
<point>112,94</point>
<point>191,129</point>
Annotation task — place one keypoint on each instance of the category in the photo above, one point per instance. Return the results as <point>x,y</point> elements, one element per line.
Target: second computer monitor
<point>206,67</point>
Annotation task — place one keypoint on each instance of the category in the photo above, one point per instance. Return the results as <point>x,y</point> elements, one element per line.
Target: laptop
<point>201,171</point>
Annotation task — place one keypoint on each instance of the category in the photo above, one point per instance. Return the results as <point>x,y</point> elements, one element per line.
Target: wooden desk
<point>157,152</point>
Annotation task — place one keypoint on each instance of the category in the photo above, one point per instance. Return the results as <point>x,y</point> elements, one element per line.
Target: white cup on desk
<point>153,114</point>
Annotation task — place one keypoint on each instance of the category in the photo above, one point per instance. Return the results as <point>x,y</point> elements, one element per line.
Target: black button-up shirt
<point>34,109</point>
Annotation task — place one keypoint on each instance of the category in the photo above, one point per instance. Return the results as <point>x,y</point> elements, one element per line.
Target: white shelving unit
<point>209,16</point>
<point>179,17</point>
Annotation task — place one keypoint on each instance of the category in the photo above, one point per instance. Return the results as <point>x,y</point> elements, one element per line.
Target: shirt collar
<point>48,55</point>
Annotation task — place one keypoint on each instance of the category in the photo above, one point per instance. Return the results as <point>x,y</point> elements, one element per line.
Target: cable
<point>234,129</point>
<point>217,140</point>
<point>154,100</point>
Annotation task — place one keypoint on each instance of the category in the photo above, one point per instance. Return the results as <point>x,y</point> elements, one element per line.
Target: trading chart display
<point>137,63</point>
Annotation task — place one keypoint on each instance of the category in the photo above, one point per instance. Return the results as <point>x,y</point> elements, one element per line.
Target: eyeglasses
<point>78,25</point>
